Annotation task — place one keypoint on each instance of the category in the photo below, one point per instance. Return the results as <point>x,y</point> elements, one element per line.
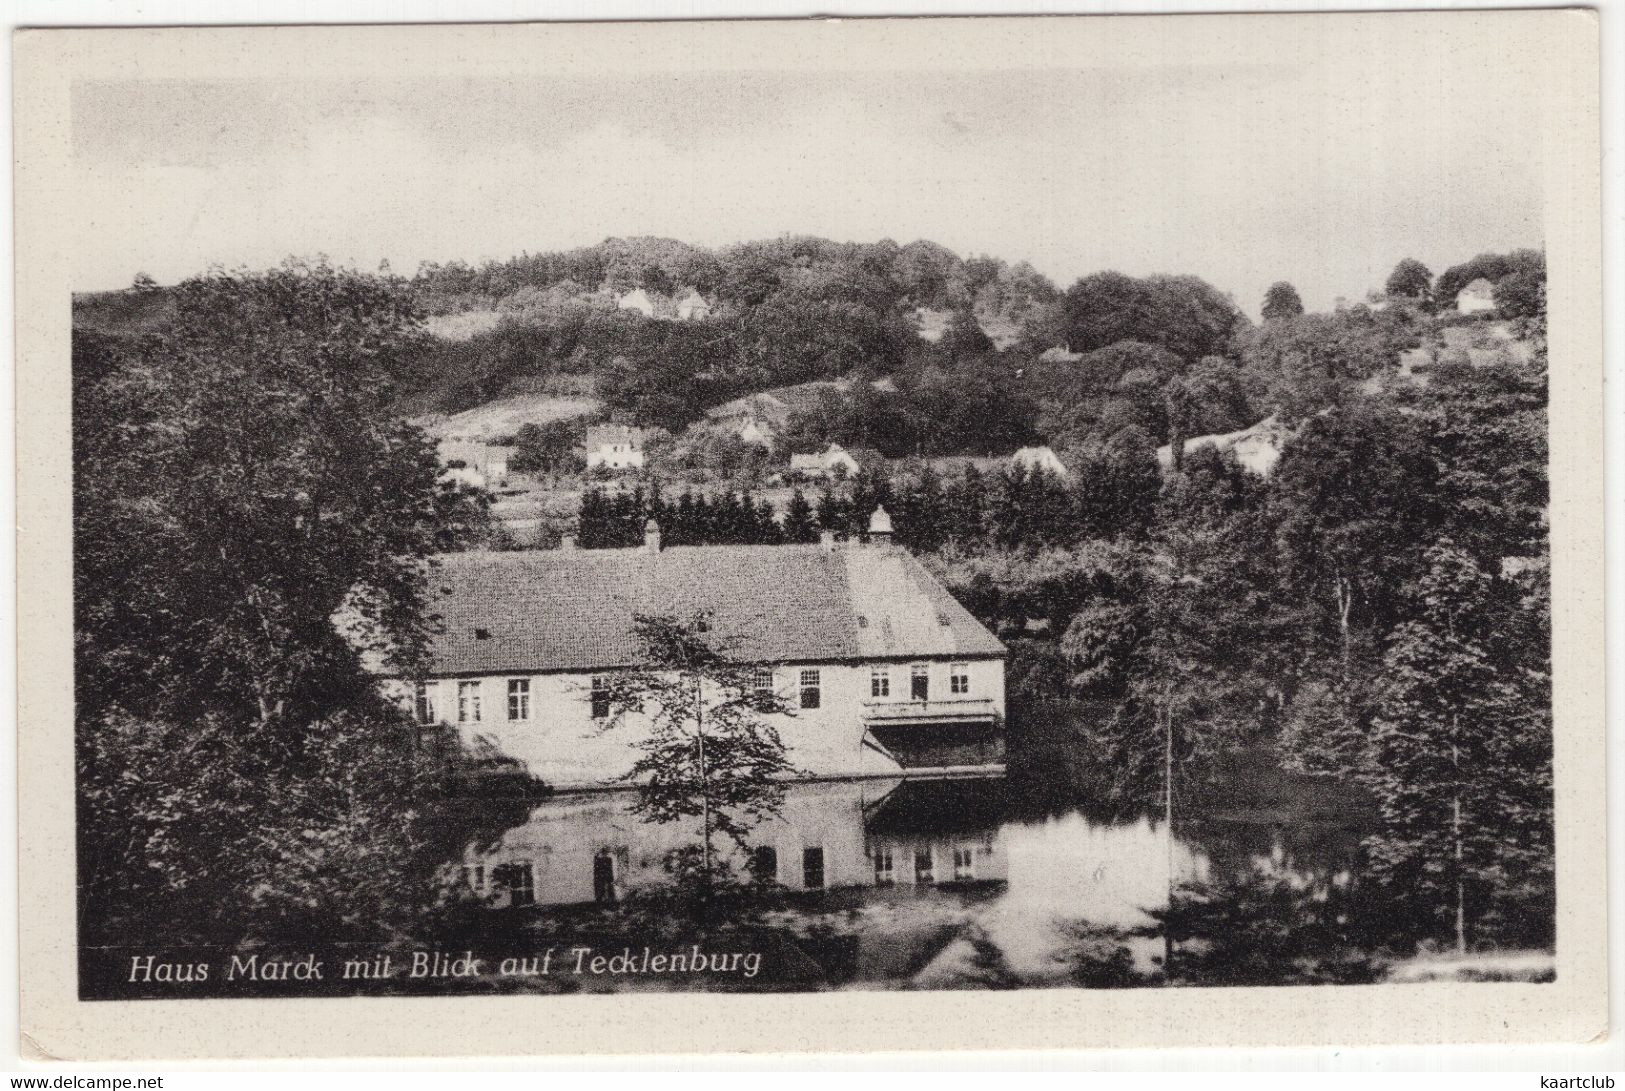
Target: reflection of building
<point>591,847</point>
<point>881,668</point>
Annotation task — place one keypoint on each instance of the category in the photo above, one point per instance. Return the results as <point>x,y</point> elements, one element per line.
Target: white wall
<point>564,746</point>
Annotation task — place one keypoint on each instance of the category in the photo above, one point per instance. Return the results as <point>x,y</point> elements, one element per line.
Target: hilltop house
<point>1477,296</point>
<point>886,673</point>
<point>615,447</point>
<point>689,306</point>
<point>756,432</point>
<point>480,465</point>
<point>835,461</point>
<point>637,300</point>
<point>692,307</point>
<point>1040,459</point>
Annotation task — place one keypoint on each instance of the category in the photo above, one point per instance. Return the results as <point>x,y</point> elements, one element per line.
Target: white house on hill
<point>1040,459</point>
<point>835,461</point>
<point>638,300</point>
<point>692,307</point>
<point>615,447</point>
<point>480,465</point>
<point>1477,296</point>
<point>886,673</point>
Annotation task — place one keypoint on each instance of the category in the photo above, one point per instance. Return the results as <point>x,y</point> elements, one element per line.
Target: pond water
<point>928,883</point>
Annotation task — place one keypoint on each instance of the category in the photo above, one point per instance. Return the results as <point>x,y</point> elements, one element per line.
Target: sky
<point>1243,174</point>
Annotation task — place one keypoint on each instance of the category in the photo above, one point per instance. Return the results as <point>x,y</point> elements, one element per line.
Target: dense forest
<point>1376,608</point>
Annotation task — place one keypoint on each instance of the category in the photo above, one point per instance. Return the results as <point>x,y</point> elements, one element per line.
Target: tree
<point>241,479</point>
<point>242,483</point>
<point>707,754</point>
<point>1463,762</point>
<point>1409,280</point>
<point>1281,301</point>
<point>799,523</point>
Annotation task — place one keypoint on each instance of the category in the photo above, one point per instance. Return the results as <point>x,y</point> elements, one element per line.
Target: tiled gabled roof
<point>573,610</point>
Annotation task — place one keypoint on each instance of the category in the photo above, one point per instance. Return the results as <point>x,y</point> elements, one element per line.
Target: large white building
<point>885,673</point>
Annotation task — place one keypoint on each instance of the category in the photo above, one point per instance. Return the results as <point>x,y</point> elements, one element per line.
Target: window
<point>518,880</point>
<point>764,863</point>
<point>812,868</point>
<point>919,682</point>
<point>519,698</point>
<point>879,682</point>
<point>600,697</point>
<point>885,874</point>
<point>812,693</point>
<point>474,877</point>
<point>425,702</point>
<point>964,862</point>
<point>761,681</point>
<point>924,869</point>
<point>958,678</point>
<point>468,702</point>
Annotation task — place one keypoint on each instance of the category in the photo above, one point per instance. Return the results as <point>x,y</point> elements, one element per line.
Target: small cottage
<point>615,447</point>
<point>1476,297</point>
<point>638,300</point>
<point>1035,460</point>
<point>478,465</point>
<point>692,307</point>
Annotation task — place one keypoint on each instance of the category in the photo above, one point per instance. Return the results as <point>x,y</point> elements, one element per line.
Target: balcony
<point>953,710</point>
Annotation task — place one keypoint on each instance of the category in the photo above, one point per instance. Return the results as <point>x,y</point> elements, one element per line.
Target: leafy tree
<point>707,754</point>
<point>1463,762</point>
<point>1281,301</point>
<point>1409,280</point>
<point>240,481</point>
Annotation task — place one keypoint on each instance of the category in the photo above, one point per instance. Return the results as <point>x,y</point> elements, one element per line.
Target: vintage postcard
<point>810,535</point>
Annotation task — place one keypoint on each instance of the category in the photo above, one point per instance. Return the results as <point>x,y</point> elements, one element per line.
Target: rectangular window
<point>879,682</point>
<point>474,877</point>
<point>519,698</point>
<point>517,878</point>
<point>958,678</point>
<point>924,870</point>
<point>468,702</point>
<point>812,693</point>
<point>761,681</point>
<point>425,703</point>
<point>764,863</point>
<point>964,862</point>
<point>812,868</point>
<point>600,698</point>
<point>919,682</point>
<point>885,873</point>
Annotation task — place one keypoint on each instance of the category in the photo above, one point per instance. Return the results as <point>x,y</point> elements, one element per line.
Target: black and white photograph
<point>1082,523</point>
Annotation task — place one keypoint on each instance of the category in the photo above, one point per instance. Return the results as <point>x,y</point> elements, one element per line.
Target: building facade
<point>883,673</point>
<point>615,447</point>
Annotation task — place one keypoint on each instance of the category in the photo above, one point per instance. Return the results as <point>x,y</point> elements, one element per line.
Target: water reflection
<point>936,883</point>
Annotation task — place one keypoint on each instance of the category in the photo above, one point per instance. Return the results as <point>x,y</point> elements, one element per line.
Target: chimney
<point>651,536</point>
<point>568,543</point>
<point>880,527</point>
<point>826,538</point>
